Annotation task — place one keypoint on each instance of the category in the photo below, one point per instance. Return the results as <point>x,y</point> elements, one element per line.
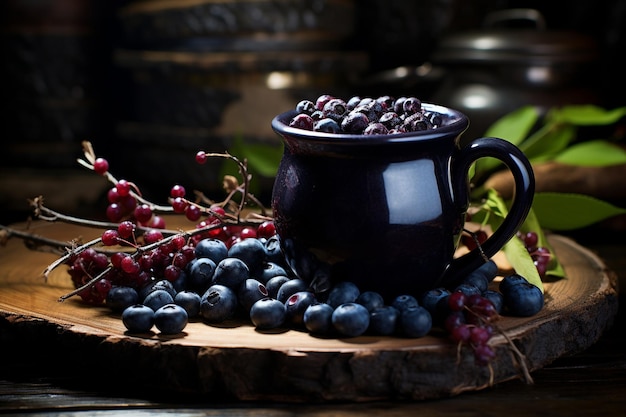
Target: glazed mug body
<point>386,211</point>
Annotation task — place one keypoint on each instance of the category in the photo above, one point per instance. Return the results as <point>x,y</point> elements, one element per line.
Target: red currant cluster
<point>469,322</point>
<point>147,251</point>
<point>541,255</point>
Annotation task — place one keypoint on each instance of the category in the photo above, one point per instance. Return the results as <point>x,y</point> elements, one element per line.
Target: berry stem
<point>519,356</point>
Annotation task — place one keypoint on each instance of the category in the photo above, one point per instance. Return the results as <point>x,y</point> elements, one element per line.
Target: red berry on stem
<point>456,301</point>
<point>201,157</point>
<point>193,212</point>
<point>152,236</point>
<point>143,213</point>
<point>177,191</point>
<point>100,166</point>
<point>123,188</point>
<point>248,232</point>
<point>179,205</point>
<point>266,229</point>
<point>126,229</point>
<point>157,222</point>
<point>114,212</point>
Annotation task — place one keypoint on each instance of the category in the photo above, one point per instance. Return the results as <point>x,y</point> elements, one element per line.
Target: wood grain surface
<point>235,361</point>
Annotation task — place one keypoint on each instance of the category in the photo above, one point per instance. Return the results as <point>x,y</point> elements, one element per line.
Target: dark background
<point>62,80</point>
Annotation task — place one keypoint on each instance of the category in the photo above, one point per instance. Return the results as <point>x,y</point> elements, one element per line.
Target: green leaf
<point>587,115</point>
<point>514,250</point>
<point>548,141</point>
<point>521,261</point>
<point>565,211</point>
<point>514,126</point>
<point>593,153</point>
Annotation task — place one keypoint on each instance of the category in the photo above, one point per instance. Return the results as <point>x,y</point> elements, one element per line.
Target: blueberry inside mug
<point>387,211</point>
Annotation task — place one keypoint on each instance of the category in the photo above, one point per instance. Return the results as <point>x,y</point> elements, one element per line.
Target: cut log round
<point>234,361</point>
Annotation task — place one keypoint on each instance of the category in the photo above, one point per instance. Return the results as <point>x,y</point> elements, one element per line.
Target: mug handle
<point>524,180</point>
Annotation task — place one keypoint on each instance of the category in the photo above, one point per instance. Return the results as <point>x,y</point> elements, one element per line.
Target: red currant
<point>247,233</point>
<point>110,237</point>
<point>177,191</point>
<point>126,229</point>
<point>266,229</point>
<point>179,205</point>
<point>114,212</point>
<point>123,188</point>
<point>143,213</point>
<point>152,236</point>
<point>100,166</point>
<point>201,157</point>
<point>193,212</point>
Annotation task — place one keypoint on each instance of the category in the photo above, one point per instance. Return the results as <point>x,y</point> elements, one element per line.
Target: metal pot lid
<point>521,45</point>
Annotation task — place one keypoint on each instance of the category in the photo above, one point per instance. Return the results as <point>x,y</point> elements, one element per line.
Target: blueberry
<point>350,319</point>
<point>296,305</point>
<point>231,272</point>
<point>218,303</point>
<point>467,289</point>
<point>327,125</point>
<point>171,319</point>
<point>430,298</point>
<point>305,106</point>
<point>201,274</point>
<point>482,276</point>
<point>370,300</point>
<point>138,318</point>
<point>496,298</point>
<point>119,298</point>
<point>383,320</point>
<point>353,102</point>
<point>404,301</point>
<point>302,121</point>
<point>355,123</point>
<point>273,251</point>
<point>267,313</point>
<point>190,301</point>
<point>510,281</point>
<point>415,321</point>
<point>317,318</point>
<point>343,292</point>
<point>289,288</point>
<point>274,284</point>
<point>376,129</point>
<point>214,249</point>
<point>157,285</point>
<point>523,300</point>
<point>252,252</point>
<point>157,299</point>
<point>411,105</point>
<point>271,270</point>
<point>250,292</point>
<point>182,281</point>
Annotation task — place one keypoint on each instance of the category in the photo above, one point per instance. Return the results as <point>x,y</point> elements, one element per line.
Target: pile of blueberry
<point>364,116</point>
<point>249,280</point>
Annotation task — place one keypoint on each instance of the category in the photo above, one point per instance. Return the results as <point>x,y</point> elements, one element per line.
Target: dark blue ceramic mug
<point>386,211</point>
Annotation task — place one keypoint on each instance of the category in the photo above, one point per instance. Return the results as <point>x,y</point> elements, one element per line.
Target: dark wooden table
<point>46,380</point>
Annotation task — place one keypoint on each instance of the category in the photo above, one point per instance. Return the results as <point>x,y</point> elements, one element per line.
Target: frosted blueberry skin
<point>138,318</point>
<point>268,313</point>
<point>171,319</point>
<point>218,303</point>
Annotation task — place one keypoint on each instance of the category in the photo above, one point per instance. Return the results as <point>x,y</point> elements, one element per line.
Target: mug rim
<point>458,125</point>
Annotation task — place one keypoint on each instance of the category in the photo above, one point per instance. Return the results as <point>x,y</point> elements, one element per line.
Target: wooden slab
<point>234,361</point>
